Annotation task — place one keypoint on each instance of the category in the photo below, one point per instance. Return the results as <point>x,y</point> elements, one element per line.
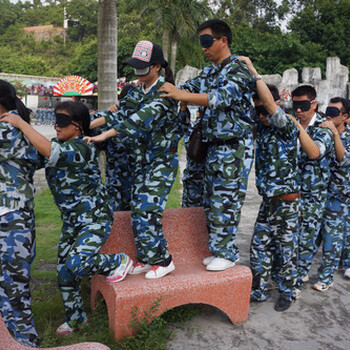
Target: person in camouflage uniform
<point>193,174</point>
<point>153,128</point>
<point>72,173</point>
<point>119,164</point>
<point>18,161</point>
<point>314,177</point>
<point>338,195</point>
<point>224,91</point>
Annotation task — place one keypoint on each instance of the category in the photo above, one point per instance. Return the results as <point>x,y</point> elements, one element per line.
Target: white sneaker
<point>297,293</point>
<point>65,328</point>
<point>219,264</point>
<point>322,287</point>
<point>206,261</point>
<point>157,271</point>
<point>347,273</point>
<point>121,271</point>
<point>139,267</point>
<point>306,279</point>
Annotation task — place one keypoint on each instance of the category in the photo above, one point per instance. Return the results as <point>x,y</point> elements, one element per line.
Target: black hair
<point>168,75</point>
<point>305,90</point>
<point>10,101</point>
<point>79,113</point>
<point>274,91</point>
<point>218,27</point>
<point>344,101</point>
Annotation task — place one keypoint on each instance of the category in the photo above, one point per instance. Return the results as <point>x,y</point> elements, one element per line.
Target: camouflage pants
<point>275,232</point>
<point>193,184</point>
<point>226,180</point>
<point>345,256</point>
<point>118,174</point>
<point>78,257</point>
<point>150,192</point>
<point>312,209</point>
<point>332,233</point>
<point>17,243</point>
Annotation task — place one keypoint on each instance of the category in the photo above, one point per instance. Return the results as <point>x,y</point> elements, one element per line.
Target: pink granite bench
<point>8,343</point>
<point>186,232</point>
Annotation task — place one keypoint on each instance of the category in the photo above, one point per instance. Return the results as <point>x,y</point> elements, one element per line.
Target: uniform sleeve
<point>11,143</point>
<point>346,159</point>
<point>193,85</point>
<point>230,89</point>
<point>285,125</point>
<point>324,141</point>
<point>70,153</point>
<point>147,117</point>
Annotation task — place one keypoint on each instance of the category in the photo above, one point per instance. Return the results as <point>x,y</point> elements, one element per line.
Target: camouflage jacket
<point>340,171</point>
<point>276,161</point>
<point>73,175</point>
<point>230,113</point>
<point>315,174</point>
<point>18,162</point>
<point>150,122</point>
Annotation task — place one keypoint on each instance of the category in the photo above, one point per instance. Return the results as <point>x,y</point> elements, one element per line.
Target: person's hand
<point>113,108</point>
<point>14,119</point>
<point>330,125</point>
<point>249,64</point>
<point>171,91</point>
<point>95,139</point>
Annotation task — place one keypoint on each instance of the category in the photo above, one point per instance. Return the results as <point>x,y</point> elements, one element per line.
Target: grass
<point>47,304</point>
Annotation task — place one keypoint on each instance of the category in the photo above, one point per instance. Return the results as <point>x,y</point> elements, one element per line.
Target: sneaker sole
<point>139,272</point>
<point>126,271</point>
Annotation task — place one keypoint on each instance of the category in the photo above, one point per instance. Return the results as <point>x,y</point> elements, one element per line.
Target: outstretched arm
<point>338,145</point>
<point>263,91</point>
<point>102,137</point>
<point>306,142</point>
<point>98,122</point>
<point>39,141</point>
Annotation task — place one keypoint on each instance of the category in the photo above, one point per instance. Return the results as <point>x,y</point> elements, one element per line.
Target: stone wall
<point>336,83</point>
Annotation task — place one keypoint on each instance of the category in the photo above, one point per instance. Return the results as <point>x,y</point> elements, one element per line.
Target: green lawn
<point>47,304</point>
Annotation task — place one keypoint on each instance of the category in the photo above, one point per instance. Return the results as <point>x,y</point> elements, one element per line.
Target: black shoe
<point>282,304</point>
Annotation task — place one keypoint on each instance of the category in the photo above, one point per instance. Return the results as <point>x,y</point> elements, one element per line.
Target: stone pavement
<point>315,321</point>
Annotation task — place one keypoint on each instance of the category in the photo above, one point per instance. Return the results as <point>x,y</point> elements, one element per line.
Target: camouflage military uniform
<point>227,125</point>
<point>314,175</point>
<point>193,174</point>
<point>18,161</point>
<point>119,166</point>
<point>74,180</point>
<point>336,212</point>
<point>277,225</point>
<point>153,128</point>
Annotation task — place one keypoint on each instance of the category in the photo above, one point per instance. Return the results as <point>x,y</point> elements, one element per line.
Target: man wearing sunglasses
<point>223,90</point>
<point>275,237</point>
<point>335,229</point>
<point>314,177</point>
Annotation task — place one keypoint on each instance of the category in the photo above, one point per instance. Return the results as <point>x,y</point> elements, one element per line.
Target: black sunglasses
<point>207,40</point>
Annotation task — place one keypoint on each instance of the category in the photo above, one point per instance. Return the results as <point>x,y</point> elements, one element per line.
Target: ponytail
<point>169,77</point>
<point>22,110</point>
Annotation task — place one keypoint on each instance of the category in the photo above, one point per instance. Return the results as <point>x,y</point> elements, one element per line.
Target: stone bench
<point>186,232</point>
<point>9,343</point>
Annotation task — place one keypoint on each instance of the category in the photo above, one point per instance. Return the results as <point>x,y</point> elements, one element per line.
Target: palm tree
<point>107,53</point>
<point>175,18</point>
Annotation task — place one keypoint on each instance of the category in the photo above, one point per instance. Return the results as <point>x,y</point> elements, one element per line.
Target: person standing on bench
<point>18,161</point>
<point>154,129</point>
<point>73,175</point>
<point>224,91</point>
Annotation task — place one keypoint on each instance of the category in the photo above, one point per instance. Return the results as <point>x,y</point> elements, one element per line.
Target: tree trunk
<point>165,44</point>
<point>173,55</point>
<point>107,53</point>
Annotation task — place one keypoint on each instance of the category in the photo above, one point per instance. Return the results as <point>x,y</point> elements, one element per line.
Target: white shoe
<point>157,271</point>
<point>65,328</point>
<point>297,293</point>
<point>121,271</point>
<point>139,267</point>
<point>322,287</point>
<point>306,279</point>
<point>220,264</point>
<point>347,273</point>
<point>206,261</point>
